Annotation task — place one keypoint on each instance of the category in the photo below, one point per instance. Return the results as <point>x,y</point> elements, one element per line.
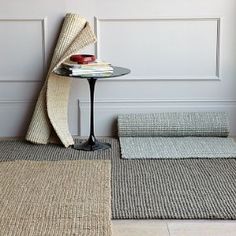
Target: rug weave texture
<point>60,197</point>
<point>172,188</point>
<point>177,147</point>
<point>21,150</point>
<point>175,135</point>
<point>49,122</point>
<point>151,189</point>
<point>174,124</point>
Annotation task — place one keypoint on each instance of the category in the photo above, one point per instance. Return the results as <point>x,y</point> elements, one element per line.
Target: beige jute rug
<point>49,122</point>
<point>55,198</point>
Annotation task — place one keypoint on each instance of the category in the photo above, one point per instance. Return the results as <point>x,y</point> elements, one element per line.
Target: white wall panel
<point>22,49</point>
<point>181,55</point>
<point>15,116</point>
<point>190,46</point>
<point>28,31</point>
<point>19,91</point>
<point>163,48</point>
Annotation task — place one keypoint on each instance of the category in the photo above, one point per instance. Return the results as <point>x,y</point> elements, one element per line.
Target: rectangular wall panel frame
<point>216,77</point>
<point>43,22</point>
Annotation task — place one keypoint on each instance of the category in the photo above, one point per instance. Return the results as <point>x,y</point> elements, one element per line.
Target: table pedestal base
<point>91,145</point>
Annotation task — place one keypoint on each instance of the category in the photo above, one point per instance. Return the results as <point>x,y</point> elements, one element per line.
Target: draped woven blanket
<point>175,135</point>
<point>50,119</point>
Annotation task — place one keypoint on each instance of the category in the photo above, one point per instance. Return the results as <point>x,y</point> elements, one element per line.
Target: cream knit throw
<point>50,120</point>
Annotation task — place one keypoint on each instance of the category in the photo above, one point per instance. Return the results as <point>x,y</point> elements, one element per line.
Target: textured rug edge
<point>132,148</point>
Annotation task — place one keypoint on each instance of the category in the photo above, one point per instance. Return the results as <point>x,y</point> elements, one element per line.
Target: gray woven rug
<point>173,189</point>
<point>22,150</point>
<point>177,147</point>
<point>152,189</point>
<point>174,124</point>
<point>49,190</point>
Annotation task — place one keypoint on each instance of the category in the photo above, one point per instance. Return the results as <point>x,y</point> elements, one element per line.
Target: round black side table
<point>92,143</point>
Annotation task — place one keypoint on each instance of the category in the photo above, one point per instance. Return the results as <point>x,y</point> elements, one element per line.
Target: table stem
<point>92,82</point>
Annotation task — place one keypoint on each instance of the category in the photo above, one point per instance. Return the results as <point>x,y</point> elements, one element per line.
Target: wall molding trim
<point>158,101</point>
<point>21,81</point>
<point>43,22</point>
<point>16,101</point>
<point>162,78</point>
<point>216,77</point>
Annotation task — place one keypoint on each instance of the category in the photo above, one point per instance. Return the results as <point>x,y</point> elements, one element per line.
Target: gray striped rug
<point>152,189</point>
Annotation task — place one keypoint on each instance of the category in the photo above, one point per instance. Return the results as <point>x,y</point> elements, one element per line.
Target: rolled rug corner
<point>58,87</point>
<point>39,129</point>
<point>174,124</point>
<point>50,113</point>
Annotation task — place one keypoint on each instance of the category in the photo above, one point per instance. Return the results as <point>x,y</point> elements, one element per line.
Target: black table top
<point>118,71</point>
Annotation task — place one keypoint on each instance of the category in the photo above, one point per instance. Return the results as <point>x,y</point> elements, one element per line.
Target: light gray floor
<point>173,228</point>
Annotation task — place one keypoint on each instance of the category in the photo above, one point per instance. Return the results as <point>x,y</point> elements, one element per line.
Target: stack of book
<point>95,69</point>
